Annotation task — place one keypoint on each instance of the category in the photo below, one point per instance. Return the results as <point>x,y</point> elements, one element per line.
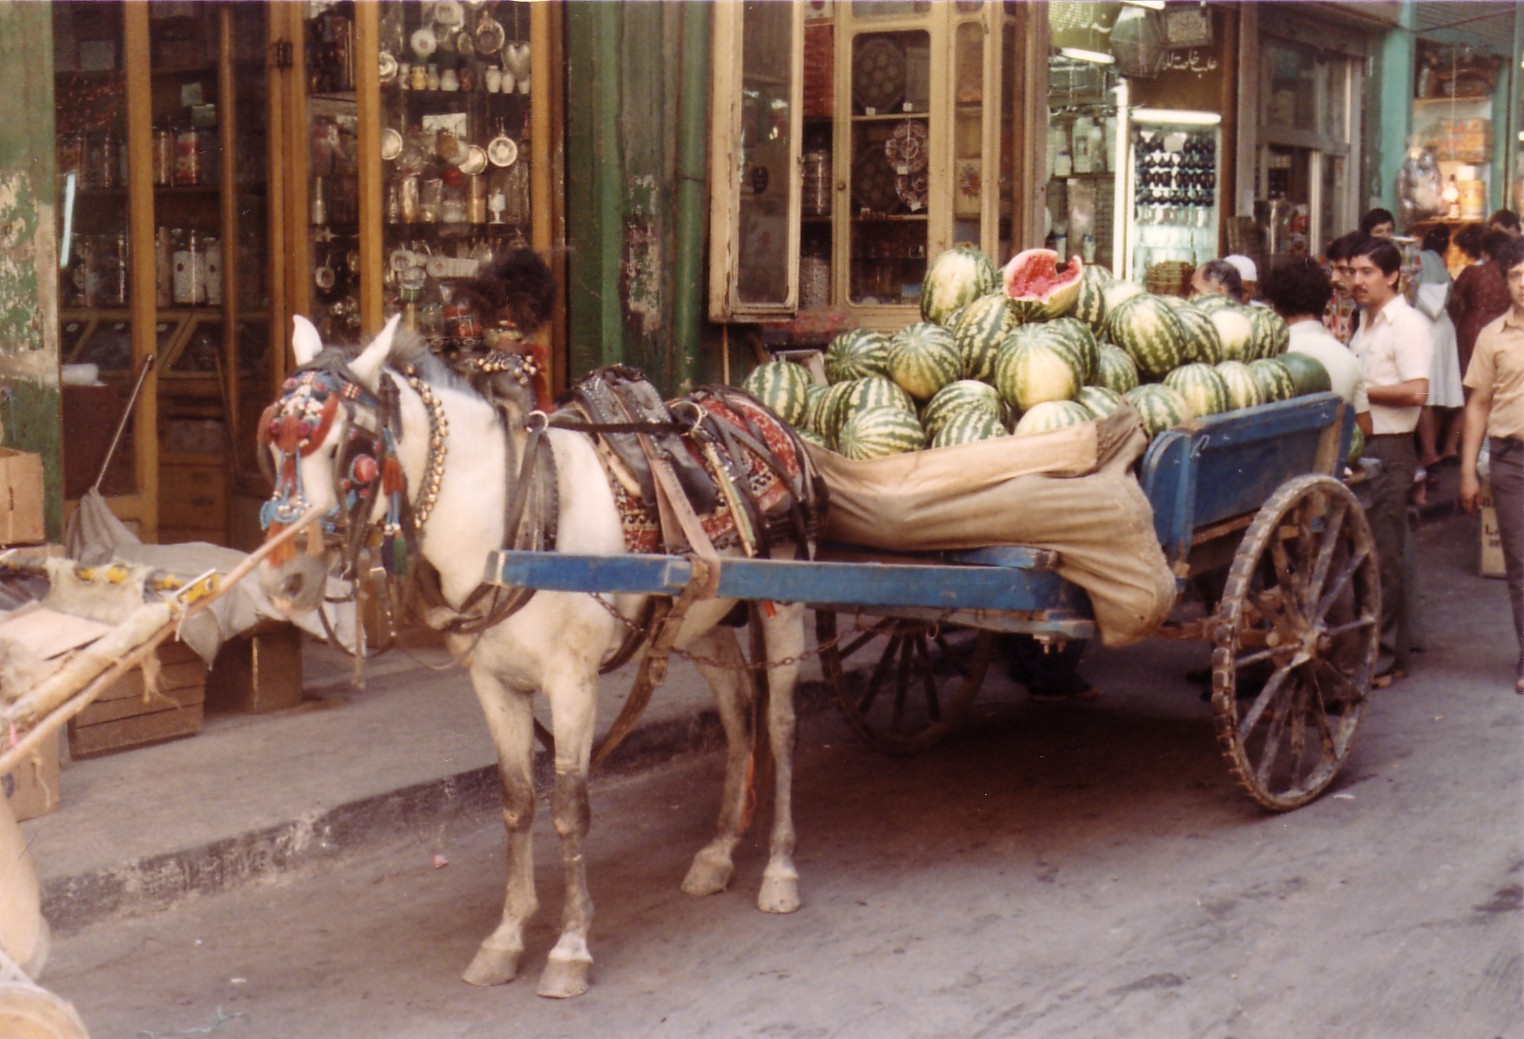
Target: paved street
<point>1055,870</point>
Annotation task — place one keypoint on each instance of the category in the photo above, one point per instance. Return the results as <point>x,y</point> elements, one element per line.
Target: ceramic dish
<point>911,190</point>
<point>449,14</point>
<point>906,147</point>
<point>425,42</point>
<point>873,183</point>
<point>391,144</point>
<point>878,74</point>
<point>387,67</point>
<point>475,162</point>
<point>503,151</point>
<point>489,35</point>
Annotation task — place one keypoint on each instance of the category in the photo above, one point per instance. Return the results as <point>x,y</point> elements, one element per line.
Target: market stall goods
<point>957,277</point>
<point>1203,389</point>
<point>782,386</point>
<point>1038,287</point>
<point>855,353</point>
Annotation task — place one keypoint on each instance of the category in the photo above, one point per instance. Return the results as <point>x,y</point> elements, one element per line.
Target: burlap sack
<point>1071,491</point>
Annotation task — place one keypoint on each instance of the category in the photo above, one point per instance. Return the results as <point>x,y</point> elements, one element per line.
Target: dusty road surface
<point>1053,871</point>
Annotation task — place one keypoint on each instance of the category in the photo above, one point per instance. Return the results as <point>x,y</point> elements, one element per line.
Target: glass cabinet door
<point>904,149</point>
<point>431,105</point>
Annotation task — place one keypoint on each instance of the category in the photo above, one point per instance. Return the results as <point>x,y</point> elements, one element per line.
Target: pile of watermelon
<point>1032,348</point>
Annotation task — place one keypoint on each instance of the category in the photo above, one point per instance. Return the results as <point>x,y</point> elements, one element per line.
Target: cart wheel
<point>1294,644</point>
<point>29,1012</point>
<point>903,685</point>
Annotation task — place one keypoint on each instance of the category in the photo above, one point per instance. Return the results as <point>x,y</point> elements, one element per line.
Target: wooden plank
<point>48,632</point>
<point>137,731</point>
<point>105,711</point>
<point>858,584</point>
<point>172,678</point>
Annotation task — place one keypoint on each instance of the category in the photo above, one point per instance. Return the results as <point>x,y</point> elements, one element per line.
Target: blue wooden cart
<point>1250,512</point>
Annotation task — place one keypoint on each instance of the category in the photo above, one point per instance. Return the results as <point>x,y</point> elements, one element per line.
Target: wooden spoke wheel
<point>903,685</point>
<point>1294,642</point>
<point>29,1012</point>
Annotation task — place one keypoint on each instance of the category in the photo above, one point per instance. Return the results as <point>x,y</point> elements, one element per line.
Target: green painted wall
<point>1391,92</point>
<point>634,231</point>
<point>29,395</point>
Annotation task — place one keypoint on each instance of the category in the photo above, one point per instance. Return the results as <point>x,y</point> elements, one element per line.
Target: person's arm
<point>1411,394</point>
<point>1478,409</point>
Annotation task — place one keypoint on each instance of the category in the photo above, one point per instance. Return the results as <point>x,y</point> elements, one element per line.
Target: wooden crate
<point>31,788</point>
<point>121,718</point>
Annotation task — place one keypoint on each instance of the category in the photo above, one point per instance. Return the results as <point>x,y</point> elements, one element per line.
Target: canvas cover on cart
<point>1071,491</point>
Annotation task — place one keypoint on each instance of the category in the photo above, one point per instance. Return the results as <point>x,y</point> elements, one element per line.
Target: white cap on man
<point>1245,267</point>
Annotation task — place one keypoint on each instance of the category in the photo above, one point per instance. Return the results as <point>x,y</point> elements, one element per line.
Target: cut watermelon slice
<point>1038,287</point>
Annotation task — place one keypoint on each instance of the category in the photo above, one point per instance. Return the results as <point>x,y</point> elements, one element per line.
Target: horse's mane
<point>411,351</point>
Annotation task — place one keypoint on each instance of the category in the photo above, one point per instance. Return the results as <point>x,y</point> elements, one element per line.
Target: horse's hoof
<point>779,894</point>
<point>709,874</point>
<point>564,979</point>
<point>493,966</point>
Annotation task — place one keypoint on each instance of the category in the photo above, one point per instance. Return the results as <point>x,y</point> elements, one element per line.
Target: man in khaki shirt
<point>1395,347</point>
<point>1496,409</point>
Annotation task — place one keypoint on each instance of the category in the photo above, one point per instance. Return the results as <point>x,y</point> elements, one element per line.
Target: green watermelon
<point>982,326</point>
<point>1147,328</point>
<point>1270,334</point>
<point>1038,287</point>
<point>1208,302</point>
<point>1119,291</point>
<point>955,278</point>
<point>1100,401</point>
<point>923,358</point>
<point>1050,415</point>
<point>1201,340</point>
<point>1235,332</point>
<point>809,436</point>
<point>783,386</point>
<point>1159,406</point>
<point>966,428</point>
<point>1273,377</point>
<point>1078,334</point>
<point>966,396</point>
<point>856,353</point>
<point>834,408</point>
<point>1356,446</point>
<point>1090,302</point>
<point>879,431</point>
<point>1031,371</point>
<point>1116,370</point>
<point>814,408</point>
<point>1203,389</point>
<point>1243,390</point>
<point>876,391</point>
<point>1307,373</point>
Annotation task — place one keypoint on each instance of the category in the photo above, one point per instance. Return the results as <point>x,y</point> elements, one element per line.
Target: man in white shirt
<point>1299,290</point>
<point>1395,348</point>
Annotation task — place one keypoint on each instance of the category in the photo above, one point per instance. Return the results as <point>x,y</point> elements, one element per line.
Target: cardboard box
<point>1491,543</point>
<point>20,497</point>
<point>31,788</point>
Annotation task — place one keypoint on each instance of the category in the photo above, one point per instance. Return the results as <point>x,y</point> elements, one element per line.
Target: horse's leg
<point>783,632</point>
<point>573,704</point>
<point>713,865</point>
<point>510,720</point>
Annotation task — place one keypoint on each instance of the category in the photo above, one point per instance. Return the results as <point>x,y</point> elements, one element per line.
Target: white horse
<point>443,432</point>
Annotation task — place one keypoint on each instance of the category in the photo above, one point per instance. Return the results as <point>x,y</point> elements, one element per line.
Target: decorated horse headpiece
<point>301,421</point>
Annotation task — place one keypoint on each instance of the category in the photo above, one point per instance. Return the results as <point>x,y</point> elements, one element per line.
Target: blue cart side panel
<point>844,585</point>
<point>1228,465</point>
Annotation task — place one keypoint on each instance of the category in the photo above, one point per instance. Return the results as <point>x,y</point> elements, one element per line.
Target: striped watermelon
<point>957,277</point>
<point>856,353</point>
<point>1356,446</point>
<point>1201,341</point>
<point>877,391</point>
<point>1160,407</point>
<point>979,331</point>
<point>1051,415</point>
<point>1100,401</point>
<point>1243,390</point>
<point>1147,328</point>
<point>1038,287</point>
<point>1032,371</point>
<point>1307,372</point>
<point>814,408</point>
<point>923,358</point>
<point>1274,379</point>
<point>1208,302</point>
<point>1075,332</point>
<point>783,386</point>
<point>966,428</point>
<point>1203,389</point>
<point>1116,370</point>
<point>1235,332</point>
<point>809,436</point>
<point>834,408</point>
<point>966,396</point>
<point>879,431</point>
<point>1090,304</point>
<point>1119,291</point>
<point>1271,336</point>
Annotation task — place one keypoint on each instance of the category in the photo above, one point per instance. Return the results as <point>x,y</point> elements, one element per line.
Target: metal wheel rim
<point>905,667</point>
<point>1304,582</point>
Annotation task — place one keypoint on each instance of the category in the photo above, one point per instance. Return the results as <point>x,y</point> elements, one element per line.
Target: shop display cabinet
<point>851,144</point>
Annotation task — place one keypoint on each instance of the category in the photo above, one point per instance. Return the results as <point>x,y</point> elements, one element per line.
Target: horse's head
<point>328,443</point>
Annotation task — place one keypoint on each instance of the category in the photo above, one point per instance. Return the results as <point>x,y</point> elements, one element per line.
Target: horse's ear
<point>367,367</point>
<point>305,341</point>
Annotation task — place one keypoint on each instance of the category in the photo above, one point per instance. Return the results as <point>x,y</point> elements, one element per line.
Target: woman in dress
<point>1480,295</point>
<point>1431,291</point>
